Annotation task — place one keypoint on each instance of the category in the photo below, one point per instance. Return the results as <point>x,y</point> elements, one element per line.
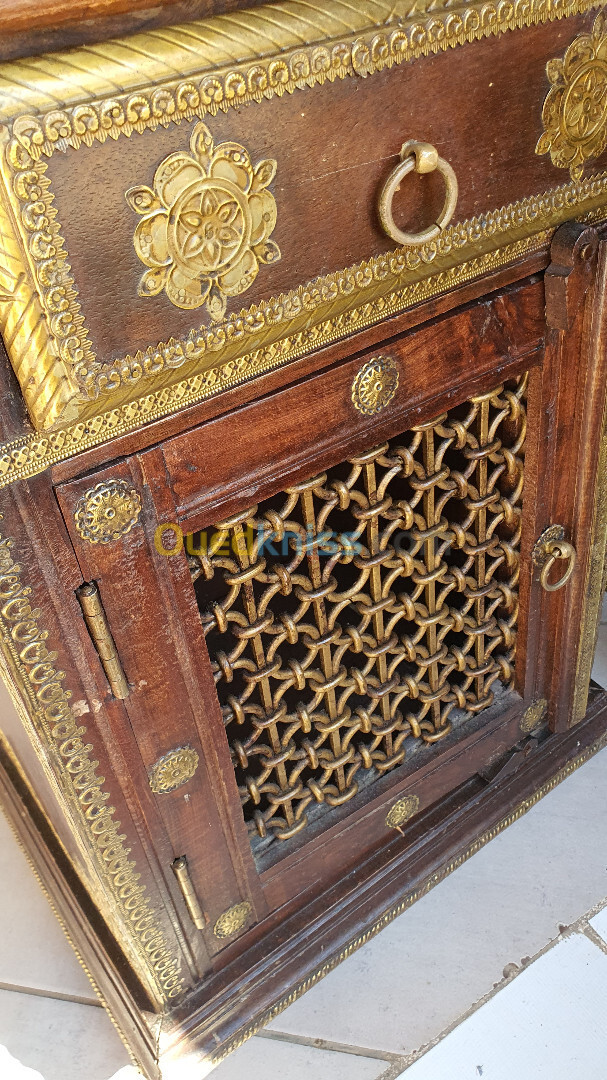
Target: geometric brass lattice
<point>367,610</point>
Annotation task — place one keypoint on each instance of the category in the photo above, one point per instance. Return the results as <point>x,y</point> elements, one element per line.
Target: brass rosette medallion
<point>173,770</point>
<point>375,385</point>
<point>233,920</point>
<point>206,224</point>
<point>575,111</point>
<point>401,811</point>
<point>533,716</point>
<point>107,512</point>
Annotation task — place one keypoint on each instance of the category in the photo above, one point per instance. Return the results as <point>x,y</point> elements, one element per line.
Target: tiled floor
<point>500,972</point>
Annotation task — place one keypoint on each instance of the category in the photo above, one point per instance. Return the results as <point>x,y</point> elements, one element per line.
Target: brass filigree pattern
<point>575,111</point>
<point>107,512</point>
<point>364,612</point>
<point>25,644</point>
<point>233,920</point>
<point>173,769</point>
<point>375,385</point>
<point>401,811</point>
<point>206,224</point>
<point>533,716</point>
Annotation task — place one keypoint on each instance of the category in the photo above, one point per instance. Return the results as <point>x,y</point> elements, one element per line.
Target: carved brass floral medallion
<point>401,811</point>
<point>375,385</point>
<point>107,511</point>
<point>232,920</point>
<point>173,770</point>
<point>575,110</point>
<point>206,225</point>
<point>533,716</point>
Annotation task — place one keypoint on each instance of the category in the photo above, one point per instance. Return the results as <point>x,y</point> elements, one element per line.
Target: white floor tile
<point>599,923</point>
<point>433,963</point>
<point>547,1024</point>
<point>35,954</point>
<point>61,1040</point>
<point>260,1058</point>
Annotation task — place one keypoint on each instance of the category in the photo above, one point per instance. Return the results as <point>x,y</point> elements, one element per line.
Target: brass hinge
<point>98,628</point>
<point>182,873</point>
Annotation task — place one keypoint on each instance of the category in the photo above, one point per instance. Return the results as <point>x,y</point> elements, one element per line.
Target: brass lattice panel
<point>366,609</point>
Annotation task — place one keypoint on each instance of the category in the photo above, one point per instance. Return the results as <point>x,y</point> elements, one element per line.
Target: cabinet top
<point>123,260</point>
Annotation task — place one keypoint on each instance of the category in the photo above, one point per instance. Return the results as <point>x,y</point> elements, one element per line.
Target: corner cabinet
<point>299,607</point>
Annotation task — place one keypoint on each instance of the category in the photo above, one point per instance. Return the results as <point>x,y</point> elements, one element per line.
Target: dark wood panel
<point>246,456</point>
<point>171,704</point>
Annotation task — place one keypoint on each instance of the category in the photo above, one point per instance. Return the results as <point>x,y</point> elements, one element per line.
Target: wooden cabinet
<point>300,603</point>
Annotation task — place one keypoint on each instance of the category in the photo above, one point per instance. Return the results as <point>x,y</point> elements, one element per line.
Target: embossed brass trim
<point>233,920</point>
<point>25,646</point>
<point>173,770</point>
<point>88,94</point>
<point>575,110</point>
<point>401,811</point>
<point>533,716</point>
<point>375,385</point>
<point>113,88</point>
<point>107,512</point>
<point>422,890</point>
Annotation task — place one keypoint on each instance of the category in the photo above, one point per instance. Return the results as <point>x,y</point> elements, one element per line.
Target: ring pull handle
<point>551,547</point>
<point>423,158</point>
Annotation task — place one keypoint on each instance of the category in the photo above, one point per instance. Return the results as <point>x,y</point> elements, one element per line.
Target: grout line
<point>580,926</point>
<point>75,999</point>
<point>595,938</point>
<point>328,1044</point>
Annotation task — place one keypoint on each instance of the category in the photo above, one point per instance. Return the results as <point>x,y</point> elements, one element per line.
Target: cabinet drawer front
<point>243,237</point>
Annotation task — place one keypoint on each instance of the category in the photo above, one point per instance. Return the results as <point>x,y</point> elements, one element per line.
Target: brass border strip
<point>523,807</point>
<point>68,758</point>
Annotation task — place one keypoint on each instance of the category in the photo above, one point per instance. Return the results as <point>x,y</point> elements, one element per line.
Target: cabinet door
<point>332,605</point>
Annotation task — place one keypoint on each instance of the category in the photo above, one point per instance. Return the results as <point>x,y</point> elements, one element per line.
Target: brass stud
<point>401,811</point>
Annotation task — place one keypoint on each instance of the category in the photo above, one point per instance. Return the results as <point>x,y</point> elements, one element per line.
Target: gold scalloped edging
<point>68,99</point>
<point>117,87</point>
<point>32,454</point>
<point>435,879</point>
<point>49,709</point>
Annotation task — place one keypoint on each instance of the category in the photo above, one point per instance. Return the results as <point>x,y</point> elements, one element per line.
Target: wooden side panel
<point>170,704</point>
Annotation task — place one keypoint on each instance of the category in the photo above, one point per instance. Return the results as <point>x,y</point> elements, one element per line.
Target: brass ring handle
<point>559,549</point>
<point>423,157</point>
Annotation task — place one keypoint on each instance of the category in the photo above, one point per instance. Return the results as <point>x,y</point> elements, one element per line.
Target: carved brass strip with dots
<point>362,614</point>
